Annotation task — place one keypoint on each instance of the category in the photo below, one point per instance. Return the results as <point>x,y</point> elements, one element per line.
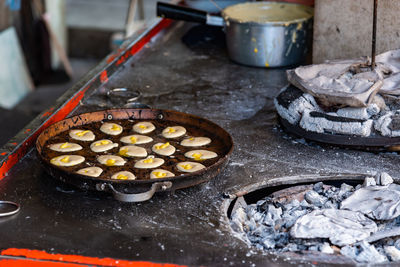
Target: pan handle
<point>123,197</point>
<point>176,12</point>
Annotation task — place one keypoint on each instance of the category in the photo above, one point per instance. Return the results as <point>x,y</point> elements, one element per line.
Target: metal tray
<point>135,190</point>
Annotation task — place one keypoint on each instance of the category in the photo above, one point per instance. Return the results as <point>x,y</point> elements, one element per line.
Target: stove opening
<point>353,220</point>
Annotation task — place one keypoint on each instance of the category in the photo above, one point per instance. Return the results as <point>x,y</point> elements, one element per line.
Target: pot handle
<point>176,12</point>
<point>139,197</point>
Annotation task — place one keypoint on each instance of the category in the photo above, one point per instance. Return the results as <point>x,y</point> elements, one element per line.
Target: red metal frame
<point>14,151</point>
<point>37,258</point>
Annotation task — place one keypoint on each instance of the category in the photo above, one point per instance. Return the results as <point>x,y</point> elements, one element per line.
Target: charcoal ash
<point>297,106</point>
<point>351,223</point>
<point>392,252</point>
<point>364,252</point>
<point>313,198</point>
<point>342,227</point>
<point>384,179</point>
<point>376,202</point>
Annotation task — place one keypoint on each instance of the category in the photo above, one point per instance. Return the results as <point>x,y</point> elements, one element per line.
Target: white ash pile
<point>361,223</point>
<point>345,97</point>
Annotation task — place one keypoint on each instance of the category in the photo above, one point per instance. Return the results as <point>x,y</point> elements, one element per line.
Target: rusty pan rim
<point>76,118</point>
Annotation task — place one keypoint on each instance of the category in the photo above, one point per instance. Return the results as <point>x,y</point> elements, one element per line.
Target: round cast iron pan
<point>135,190</point>
<point>351,141</point>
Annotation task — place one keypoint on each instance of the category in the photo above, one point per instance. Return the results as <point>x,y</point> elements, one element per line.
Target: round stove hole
<point>337,219</point>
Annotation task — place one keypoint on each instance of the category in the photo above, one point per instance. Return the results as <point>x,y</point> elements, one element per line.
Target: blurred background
<point>46,46</point>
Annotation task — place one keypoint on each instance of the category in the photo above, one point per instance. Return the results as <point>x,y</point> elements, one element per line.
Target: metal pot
<point>260,42</point>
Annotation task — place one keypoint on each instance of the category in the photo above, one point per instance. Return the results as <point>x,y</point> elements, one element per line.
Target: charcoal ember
<point>238,219</point>
<point>250,225</point>
<point>251,210</point>
<point>377,202</point>
<point>281,239</point>
<point>385,179</point>
<point>268,243</point>
<point>319,122</point>
<point>368,253</point>
<point>305,205</point>
<point>389,241</point>
<point>342,227</point>
<point>263,231</point>
<point>291,247</point>
<point>272,214</point>
<point>314,198</point>
<point>301,247</point>
<point>363,113</point>
<point>349,251</point>
<point>392,252</point>
<point>261,202</point>
<point>345,191</point>
<point>280,225</point>
<point>263,235</point>
<point>318,187</point>
<point>292,205</point>
<point>363,252</point>
<point>330,205</point>
<point>369,181</point>
<point>326,248</point>
<point>388,124</point>
<point>259,246</point>
<point>292,102</point>
<point>290,218</point>
<point>258,216</point>
<point>264,204</point>
<point>331,193</point>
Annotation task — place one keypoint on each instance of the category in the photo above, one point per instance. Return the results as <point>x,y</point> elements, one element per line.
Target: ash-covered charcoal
<point>330,205</point>
<point>310,220</point>
<point>238,219</point>
<point>319,187</point>
<point>314,198</point>
<point>369,181</point>
<point>322,123</point>
<point>291,217</point>
<point>342,227</point>
<point>305,205</point>
<point>345,191</point>
<point>389,124</point>
<point>272,215</point>
<point>326,248</point>
<point>385,179</point>
<point>292,102</point>
<point>377,202</point>
<point>364,113</point>
<point>392,252</point>
<point>363,252</point>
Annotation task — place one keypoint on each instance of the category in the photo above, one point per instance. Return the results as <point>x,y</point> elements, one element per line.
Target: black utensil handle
<point>181,13</point>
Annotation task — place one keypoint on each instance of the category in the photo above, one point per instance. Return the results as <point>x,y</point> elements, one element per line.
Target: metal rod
<point>374,35</point>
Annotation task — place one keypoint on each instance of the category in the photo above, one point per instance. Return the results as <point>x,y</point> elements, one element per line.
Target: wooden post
<point>374,35</point>
<point>5,16</point>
